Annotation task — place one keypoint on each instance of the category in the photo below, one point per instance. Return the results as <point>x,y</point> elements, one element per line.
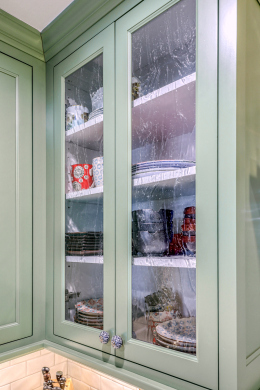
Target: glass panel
<point>163,179</point>
<point>84,195</point>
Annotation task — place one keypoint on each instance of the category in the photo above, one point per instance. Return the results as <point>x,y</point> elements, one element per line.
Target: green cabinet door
<point>84,235</point>
<point>16,199</point>
<point>166,188</point>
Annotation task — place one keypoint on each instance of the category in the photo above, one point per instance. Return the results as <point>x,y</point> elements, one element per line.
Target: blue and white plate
<point>179,329</point>
<point>175,347</point>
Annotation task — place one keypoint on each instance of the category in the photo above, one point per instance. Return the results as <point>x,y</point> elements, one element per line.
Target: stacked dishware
<point>189,231</point>
<point>158,166</point>
<point>96,113</point>
<point>152,231</point>
<point>84,243</point>
<point>178,334</point>
<point>90,313</point>
<point>97,103</point>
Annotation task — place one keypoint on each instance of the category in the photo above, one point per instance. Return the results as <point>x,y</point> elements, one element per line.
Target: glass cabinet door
<point>167,169</point>
<point>85,193</point>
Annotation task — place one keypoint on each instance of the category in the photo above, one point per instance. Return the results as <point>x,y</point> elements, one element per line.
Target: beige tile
<point>29,383</point>
<point>78,385</point>
<point>25,358</point>
<point>91,378</point>
<point>108,384</point>
<point>59,367</point>
<point>13,373</point>
<point>7,387</point>
<point>45,351</point>
<point>119,382</point>
<point>74,370</point>
<point>60,359</point>
<point>4,365</point>
<point>128,387</point>
<point>35,365</point>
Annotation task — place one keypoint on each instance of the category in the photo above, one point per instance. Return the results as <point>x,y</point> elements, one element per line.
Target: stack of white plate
<point>90,313</point>
<point>159,166</point>
<point>178,334</point>
<point>96,113</point>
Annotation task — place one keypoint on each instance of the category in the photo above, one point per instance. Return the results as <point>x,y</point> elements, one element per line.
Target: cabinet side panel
<point>252,176</point>
<point>8,198</point>
<point>16,200</point>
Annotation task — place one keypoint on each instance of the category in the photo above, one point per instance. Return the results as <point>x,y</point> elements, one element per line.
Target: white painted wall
<point>36,13</point>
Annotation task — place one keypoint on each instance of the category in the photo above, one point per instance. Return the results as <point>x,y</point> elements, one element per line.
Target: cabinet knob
<point>104,337</point>
<point>117,342</point>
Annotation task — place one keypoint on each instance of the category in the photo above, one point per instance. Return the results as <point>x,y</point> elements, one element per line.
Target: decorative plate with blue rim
<point>175,347</point>
<point>92,306</point>
<point>180,329</point>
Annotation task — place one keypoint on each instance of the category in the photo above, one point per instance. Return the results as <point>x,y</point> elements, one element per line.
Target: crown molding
<point>79,16</point>
<point>20,35</point>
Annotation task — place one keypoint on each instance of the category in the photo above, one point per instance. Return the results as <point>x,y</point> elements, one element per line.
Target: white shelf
<point>91,195</point>
<point>88,135</point>
<point>158,186</point>
<point>85,259</point>
<point>171,261</point>
<point>169,111</point>
<point>165,185</point>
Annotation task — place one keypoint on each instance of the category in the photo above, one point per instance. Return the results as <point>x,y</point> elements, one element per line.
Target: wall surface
<point>25,373</point>
<point>85,378</point>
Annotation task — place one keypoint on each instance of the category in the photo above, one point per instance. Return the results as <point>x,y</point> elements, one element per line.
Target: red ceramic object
<point>189,227</point>
<point>190,210</point>
<point>175,247</point>
<point>187,221</point>
<point>82,176</point>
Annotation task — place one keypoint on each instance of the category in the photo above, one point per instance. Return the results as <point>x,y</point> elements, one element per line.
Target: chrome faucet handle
<point>104,337</point>
<point>117,342</point>
<point>62,383</point>
<point>59,375</point>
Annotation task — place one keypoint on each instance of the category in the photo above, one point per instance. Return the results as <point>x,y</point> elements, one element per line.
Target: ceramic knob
<point>104,337</point>
<point>117,342</point>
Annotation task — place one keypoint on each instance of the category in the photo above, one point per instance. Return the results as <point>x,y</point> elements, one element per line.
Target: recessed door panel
<point>16,199</point>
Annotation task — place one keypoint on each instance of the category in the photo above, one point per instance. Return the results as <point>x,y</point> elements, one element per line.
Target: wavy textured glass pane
<point>84,195</point>
<point>164,174</point>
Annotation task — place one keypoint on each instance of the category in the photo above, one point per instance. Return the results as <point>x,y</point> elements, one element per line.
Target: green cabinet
<point>152,195</point>
<point>135,133</point>
<point>16,200</point>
